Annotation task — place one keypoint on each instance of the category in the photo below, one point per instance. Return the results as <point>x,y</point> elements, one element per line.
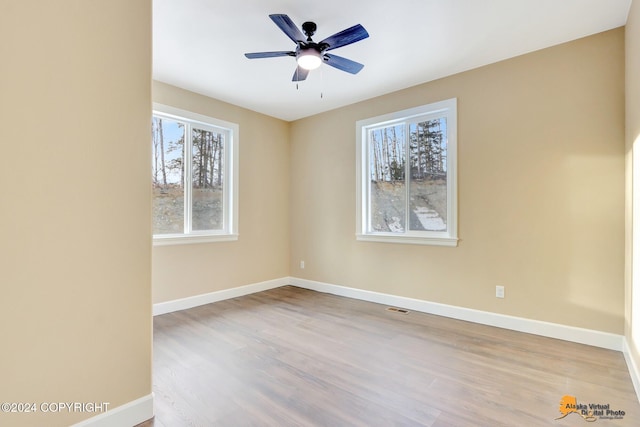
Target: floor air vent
<point>398,310</point>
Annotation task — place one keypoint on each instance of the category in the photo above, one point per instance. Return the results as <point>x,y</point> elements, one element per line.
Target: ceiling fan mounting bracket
<point>309,29</point>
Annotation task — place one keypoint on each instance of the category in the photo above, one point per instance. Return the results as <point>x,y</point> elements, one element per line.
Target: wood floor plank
<point>294,357</point>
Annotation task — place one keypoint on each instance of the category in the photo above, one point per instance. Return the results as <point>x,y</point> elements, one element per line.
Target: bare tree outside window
<point>207,178</point>
<point>168,176</point>
<point>388,187</point>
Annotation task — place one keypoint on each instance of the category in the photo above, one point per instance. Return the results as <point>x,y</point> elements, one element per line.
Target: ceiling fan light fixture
<point>309,59</point>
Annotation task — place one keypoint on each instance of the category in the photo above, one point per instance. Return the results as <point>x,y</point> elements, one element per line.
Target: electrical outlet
<point>301,264</point>
<point>499,291</point>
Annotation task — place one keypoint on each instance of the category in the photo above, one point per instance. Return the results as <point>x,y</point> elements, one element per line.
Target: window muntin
<point>406,176</point>
<point>194,177</point>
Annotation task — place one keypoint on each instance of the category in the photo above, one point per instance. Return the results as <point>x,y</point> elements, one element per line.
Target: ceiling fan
<point>309,54</point>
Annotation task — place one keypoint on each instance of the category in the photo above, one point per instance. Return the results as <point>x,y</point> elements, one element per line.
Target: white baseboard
<point>536,327</point>
<point>547,329</point>
<point>127,415</point>
<point>632,366</point>
<point>197,300</point>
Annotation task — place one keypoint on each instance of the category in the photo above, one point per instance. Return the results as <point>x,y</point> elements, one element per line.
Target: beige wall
<point>632,276</point>
<point>540,211</point>
<point>75,255</point>
<point>262,251</point>
<point>541,191</point>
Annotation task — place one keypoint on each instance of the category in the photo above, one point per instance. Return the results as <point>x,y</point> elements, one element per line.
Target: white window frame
<point>229,231</point>
<point>447,109</point>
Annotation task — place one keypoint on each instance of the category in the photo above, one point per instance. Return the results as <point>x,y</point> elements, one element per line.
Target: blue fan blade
<point>345,37</point>
<point>300,74</point>
<point>343,64</point>
<point>288,27</point>
<point>268,54</point>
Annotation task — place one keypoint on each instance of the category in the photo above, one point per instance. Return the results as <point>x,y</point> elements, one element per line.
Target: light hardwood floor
<point>294,357</point>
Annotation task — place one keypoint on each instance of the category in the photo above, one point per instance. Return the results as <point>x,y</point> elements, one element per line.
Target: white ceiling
<point>199,45</point>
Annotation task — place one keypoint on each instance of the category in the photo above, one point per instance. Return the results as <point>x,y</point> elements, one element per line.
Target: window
<point>407,176</point>
<point>194,175</point>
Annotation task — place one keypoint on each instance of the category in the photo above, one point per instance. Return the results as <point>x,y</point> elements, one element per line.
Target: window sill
<point>411,240</point>
<point>188,240</point>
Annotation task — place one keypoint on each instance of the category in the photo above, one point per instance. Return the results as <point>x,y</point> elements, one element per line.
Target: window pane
<point>207,180</point>
<point>428,180</point>
<point>387,173</point>
<point>168,173</point>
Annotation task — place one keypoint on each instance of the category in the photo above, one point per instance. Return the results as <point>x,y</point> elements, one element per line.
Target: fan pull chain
<point>321,81</point>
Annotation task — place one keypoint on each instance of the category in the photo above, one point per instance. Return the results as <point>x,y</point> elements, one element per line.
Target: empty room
<point>361,213</point>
